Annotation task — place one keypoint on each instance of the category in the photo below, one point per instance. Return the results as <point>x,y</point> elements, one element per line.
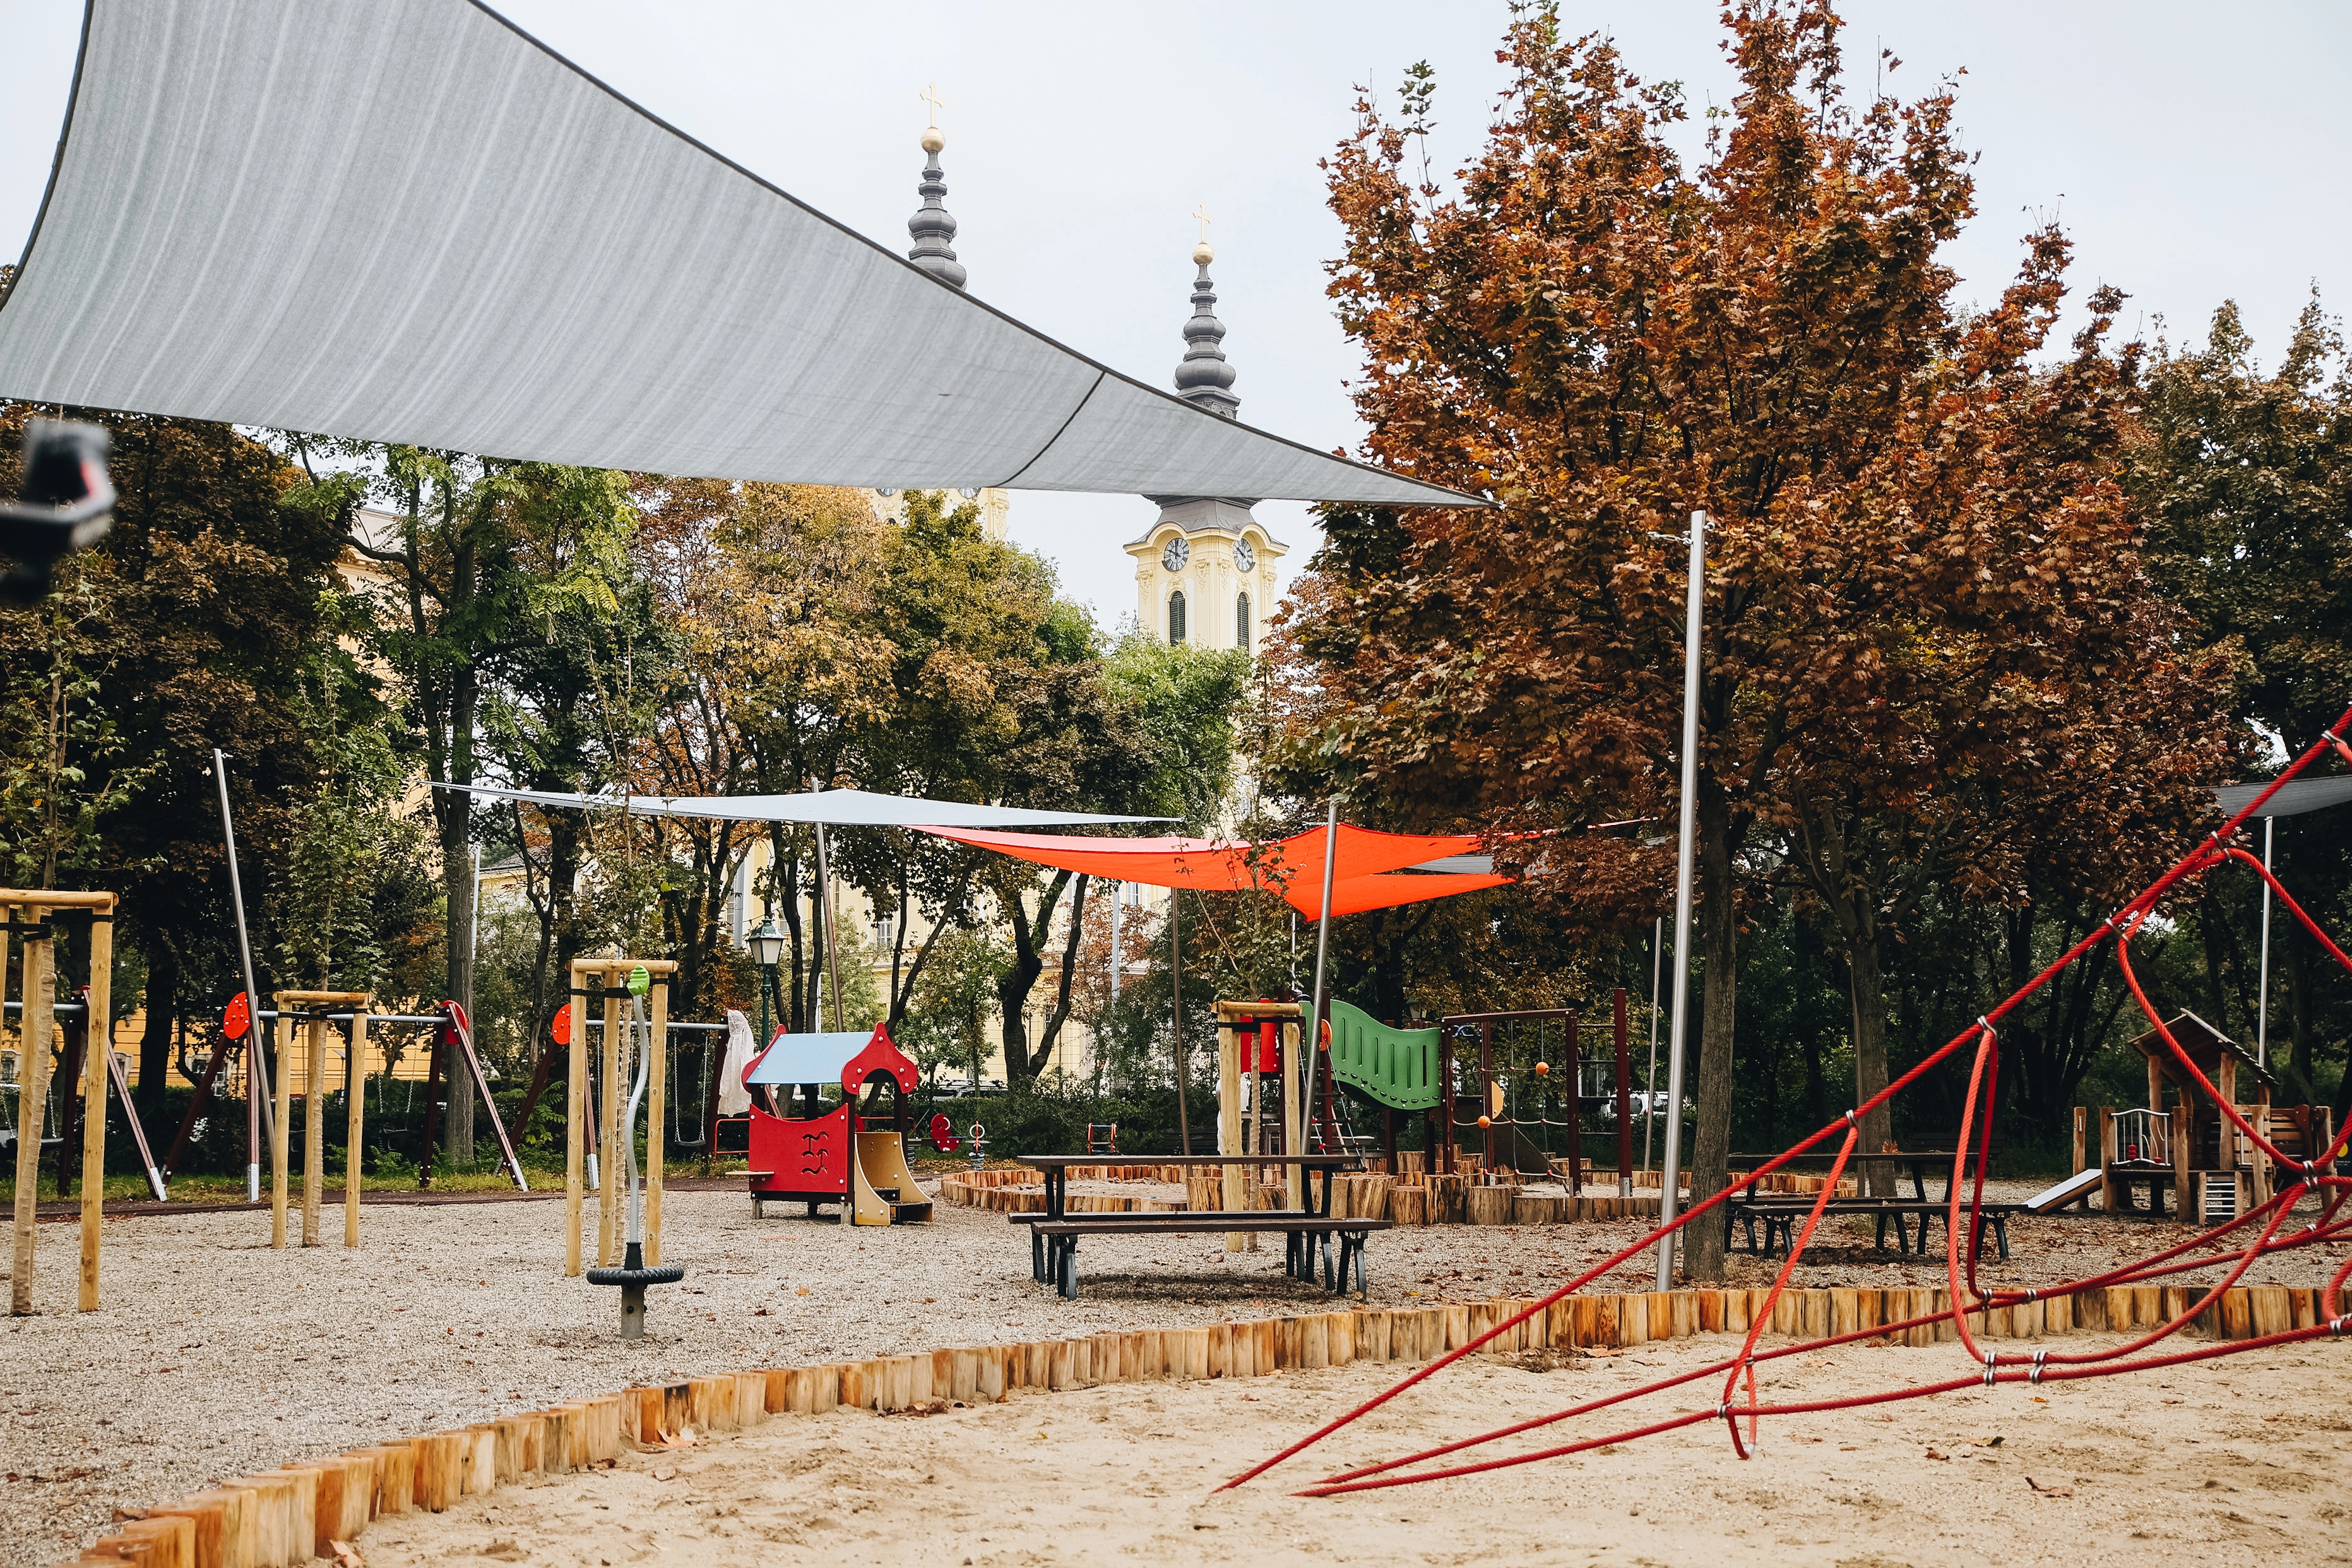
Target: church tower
<point>933,232</point>
<point>1204,570</point>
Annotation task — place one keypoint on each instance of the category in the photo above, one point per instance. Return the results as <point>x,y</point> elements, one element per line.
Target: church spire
<point>1203,377</point>
<point>932,227</point>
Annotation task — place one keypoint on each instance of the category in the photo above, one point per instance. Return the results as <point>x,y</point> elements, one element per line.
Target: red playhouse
<point>802,1149</point>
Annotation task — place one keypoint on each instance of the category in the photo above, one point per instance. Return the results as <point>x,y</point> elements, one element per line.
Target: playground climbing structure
<point>2260,1229</point>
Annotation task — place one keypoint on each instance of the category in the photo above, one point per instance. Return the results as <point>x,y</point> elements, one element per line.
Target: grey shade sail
<point>408,221</point>
<point>2295,797</point>
<point>1459,865</point>
<point>808,1058</point>
<point>833,807</point>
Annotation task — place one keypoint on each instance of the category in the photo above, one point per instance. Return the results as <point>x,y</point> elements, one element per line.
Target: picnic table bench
<point>1312,1236</point>
<point>1782,1214</point>
<point>1914,1162</point>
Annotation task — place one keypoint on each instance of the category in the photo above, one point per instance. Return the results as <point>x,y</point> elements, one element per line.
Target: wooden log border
<point>289,1517</point>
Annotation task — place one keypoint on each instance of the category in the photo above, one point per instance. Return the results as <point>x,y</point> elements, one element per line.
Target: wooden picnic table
<point>1915,1160</point>
<point>1782,1213</point>
<point>1311,1232</point>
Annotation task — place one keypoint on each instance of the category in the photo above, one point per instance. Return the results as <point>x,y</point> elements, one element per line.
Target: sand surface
<point>214,1356</point>
<point>2240,1461</point>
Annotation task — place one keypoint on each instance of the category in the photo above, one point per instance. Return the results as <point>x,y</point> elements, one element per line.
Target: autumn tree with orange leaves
<point>1931,653</point>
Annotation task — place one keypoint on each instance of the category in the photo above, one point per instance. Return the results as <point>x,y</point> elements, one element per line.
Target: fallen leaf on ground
<point>1933,1455</point>
<point>347,1556</point>
<point>665,1475</point>
<point>2048,1491</point>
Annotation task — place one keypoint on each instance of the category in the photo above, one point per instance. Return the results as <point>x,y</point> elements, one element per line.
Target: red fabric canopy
<point>1292,867</point>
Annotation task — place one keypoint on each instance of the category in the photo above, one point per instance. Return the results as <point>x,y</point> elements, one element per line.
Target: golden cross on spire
<point>930,95</point>
<point>1201,212</point>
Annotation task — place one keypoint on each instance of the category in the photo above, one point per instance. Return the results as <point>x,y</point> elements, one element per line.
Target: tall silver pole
<point>824,921</point>
<point>1117,905</point>
<point>1323,934</point>
<point>1693,626</point>
<point>256,1074</point>
<point>1650,1079</point>
<point>2263,1019</point>
<point>825,924</point>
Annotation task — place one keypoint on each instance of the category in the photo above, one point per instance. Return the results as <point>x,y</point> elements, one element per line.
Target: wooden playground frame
<point>37,1022</point>
<point>612,975</point>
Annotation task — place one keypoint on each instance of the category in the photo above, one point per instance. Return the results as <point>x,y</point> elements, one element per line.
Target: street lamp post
<point>767,945</point>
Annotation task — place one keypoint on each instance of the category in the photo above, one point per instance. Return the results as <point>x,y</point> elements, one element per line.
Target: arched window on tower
<point>1242,622</point>
<point>1176,617</point>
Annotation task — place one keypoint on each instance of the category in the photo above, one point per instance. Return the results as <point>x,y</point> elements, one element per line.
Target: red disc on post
<point>943,1136</point>
<point>237,1017</point>
<point>563,1024</point>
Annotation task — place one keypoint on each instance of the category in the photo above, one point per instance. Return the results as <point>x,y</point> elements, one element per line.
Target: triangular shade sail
<point>833,807</point>
<point>407,221</point>
<point>1292,867</point>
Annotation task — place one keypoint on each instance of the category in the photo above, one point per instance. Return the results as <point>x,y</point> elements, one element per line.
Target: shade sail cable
<point>465,242</point>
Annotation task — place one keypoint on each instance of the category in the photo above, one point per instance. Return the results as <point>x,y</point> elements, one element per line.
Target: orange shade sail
<point>1368,870</point>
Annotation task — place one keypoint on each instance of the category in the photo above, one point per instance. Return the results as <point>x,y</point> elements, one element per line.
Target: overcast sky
<point>2194,152</point>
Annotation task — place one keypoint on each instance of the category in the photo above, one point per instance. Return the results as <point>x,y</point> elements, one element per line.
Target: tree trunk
<point>1719,924</point>
<point>155,1053</point>
<point>2294,1082</point>
<point>1019,978</point>
<point>1867,990</point>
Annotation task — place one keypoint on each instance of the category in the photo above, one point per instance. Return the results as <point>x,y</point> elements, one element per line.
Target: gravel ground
<point>214,1356</point>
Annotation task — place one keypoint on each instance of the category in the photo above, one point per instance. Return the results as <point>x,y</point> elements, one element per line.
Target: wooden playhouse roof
<point>2206,1047</point>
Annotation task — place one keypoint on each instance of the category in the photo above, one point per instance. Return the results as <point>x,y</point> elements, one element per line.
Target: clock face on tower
<point>1179,551</point>
<point>1244,558</point>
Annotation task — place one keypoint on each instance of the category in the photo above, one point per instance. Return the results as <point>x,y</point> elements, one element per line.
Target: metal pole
<point>1176,983</point>
<point>1117,900</point>
<point>825,922</point>
<point>1650,1078</point>
<point>473,918</point>
<point>1692,627</point>
<point>257,1075</point>
<point>2263,1017</point>
<point>1323,926</point>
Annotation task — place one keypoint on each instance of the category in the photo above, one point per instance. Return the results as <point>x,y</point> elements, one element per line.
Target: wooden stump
<point>1488,1205</point>
<point>221,1526</point>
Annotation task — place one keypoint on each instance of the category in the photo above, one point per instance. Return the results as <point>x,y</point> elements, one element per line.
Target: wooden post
<point>32,1032</point>
<point>284,1104</point>
<point>96,1061</point>
<point>354,1117</point>
<point>608,1126</point>
<point>314,1130</point>
<point>2106,1160</point>
<point>1294,1117</point>
<point>657,1103</point>
<point>2261,1120</point>
<point>575,1102</point>
<point>1229,1119</point>
<point>2184,1126</point>
<point>2082,1119</point>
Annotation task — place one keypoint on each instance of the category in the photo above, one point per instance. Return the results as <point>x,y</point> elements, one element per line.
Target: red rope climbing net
<point>2250,1236</point>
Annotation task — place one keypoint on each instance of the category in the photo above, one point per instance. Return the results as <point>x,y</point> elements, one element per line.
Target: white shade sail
<point>833,807</point>
<point>408,221</point>
<point>2293,798</point>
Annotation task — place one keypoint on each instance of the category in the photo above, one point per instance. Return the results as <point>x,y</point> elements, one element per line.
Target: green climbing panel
<point>1397,1068</point>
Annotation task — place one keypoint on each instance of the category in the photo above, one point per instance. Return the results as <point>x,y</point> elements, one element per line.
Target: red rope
<point>1983,1086</point>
